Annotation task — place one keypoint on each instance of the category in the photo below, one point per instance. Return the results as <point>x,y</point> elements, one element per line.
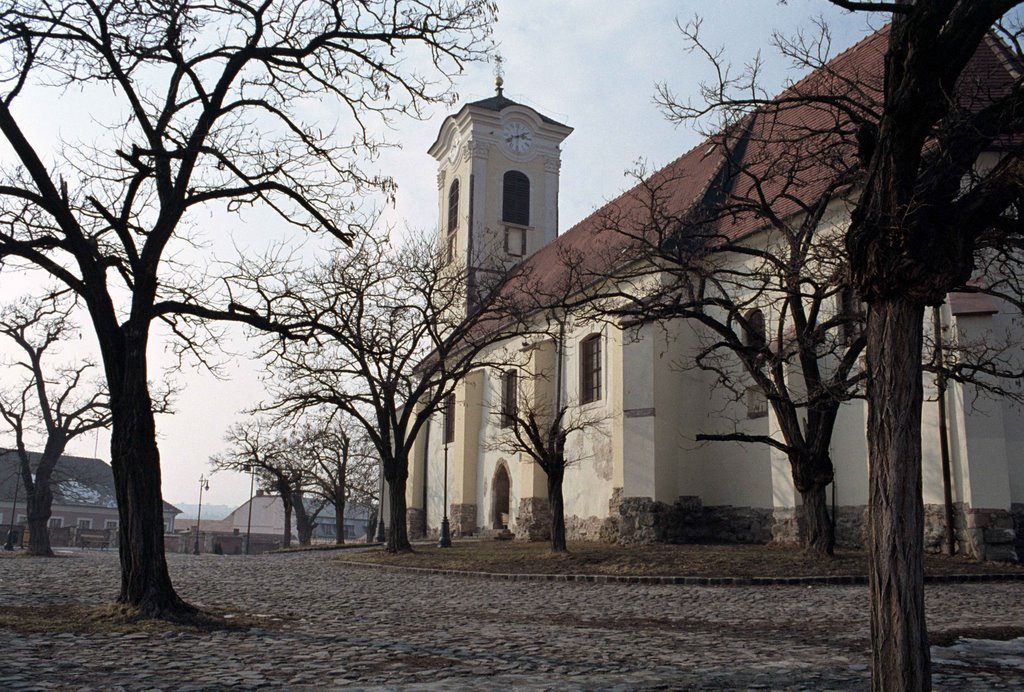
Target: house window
<point>85,523</point>
<point>56,522</point>
<point>515,198</point>
<point>755,335</point>
<point>509,401</point>
<point>110,524</point>
<point>757,403</point>
<point>852,311</point>
<point>449,418</point>
<point>453,219</point>
<point>590,369</point>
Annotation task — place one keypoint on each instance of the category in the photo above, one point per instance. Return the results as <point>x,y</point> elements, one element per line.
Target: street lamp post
<point>381,535</point>
<point>204,484</point>
<point>9,545</point>
<point>248,524</point>
<point>446,535</point>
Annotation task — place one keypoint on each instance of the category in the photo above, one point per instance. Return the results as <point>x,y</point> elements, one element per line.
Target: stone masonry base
<point>983,534</point>
<point>533,522</point>
<point>462,519</point>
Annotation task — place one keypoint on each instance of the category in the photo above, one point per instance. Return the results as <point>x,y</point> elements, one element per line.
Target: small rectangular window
<point>56,522</point>
<point>509,399</point>
<point>110,524</point>
<point>449,418</point>
<point>757,403</point>
<point>590,369</point>
<point>85,523</point>
<point>515,241</point>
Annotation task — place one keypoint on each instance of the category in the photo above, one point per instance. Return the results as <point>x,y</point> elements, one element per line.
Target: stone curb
<point>831,580</point>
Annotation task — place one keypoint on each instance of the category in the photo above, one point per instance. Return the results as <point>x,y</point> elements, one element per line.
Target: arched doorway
<point>502,487</point>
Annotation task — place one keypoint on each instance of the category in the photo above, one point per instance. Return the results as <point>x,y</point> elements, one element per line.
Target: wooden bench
<point>92,538</point>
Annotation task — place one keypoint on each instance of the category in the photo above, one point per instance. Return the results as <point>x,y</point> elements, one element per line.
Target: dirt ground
<point>511,557</point>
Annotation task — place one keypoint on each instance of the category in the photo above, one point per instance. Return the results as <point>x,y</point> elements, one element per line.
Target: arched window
<point>755,336</point>
<point>590,369</point>
<point>453,206</point>
<point>515,198</point>
<point>453,220</point>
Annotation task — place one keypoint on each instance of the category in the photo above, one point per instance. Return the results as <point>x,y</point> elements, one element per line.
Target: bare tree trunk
<point>38,503</point>
<point>398,531</point>
<point>39,500</point>
<point>303,525</point>
<point>286,539</point>
<point>900,655</point>
<point>817,535</point>
<point>145,581</point>
<point>371,528</point>
<point>557,513</point>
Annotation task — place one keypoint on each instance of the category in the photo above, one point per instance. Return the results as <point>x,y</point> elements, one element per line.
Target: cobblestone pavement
<point>344,626</point>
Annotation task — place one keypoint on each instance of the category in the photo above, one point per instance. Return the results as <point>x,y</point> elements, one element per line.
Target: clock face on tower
<point>517,137</point>
<point>453,149</point>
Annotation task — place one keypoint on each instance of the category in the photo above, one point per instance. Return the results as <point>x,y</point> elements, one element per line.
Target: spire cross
<point>499,73</point>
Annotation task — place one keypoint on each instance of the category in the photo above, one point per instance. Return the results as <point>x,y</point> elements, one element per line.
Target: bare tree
<point>746,260</point>
<point>342,465</point>
<point>535,420</point>
<point>925,214</point>
<point>393,329</point>
<point>58,403</point>
<point>279,461</point>
<point>210,97</point>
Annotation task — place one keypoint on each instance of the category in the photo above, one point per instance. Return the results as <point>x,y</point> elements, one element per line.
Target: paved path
<point>346,626</point>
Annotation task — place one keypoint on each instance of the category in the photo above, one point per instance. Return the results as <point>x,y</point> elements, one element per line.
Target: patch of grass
<point>997,632</point>
<point>116,619</point>
<point>704,560</point>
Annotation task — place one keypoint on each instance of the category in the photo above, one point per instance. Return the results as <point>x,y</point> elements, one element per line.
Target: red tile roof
<point>789,152</point>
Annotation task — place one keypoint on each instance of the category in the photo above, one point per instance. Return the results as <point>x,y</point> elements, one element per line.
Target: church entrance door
<point>502,489</point>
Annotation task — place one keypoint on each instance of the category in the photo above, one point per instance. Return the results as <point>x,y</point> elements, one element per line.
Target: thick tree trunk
<point>39,502</point>
<point>303,524</point>
<point>817,536</point>
<point>145,581</point>
<point>557,504</point>
<point>286,539</point>
<point>398,530</point>
<point>900,656</point>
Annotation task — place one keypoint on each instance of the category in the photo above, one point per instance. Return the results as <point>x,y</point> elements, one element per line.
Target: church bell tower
<point>497,180</point>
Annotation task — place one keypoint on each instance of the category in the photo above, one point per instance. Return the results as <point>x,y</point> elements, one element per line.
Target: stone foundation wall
<point>641,520</point>
<point>988,534</point>
<point>984,534</point>
<point>533,523</point>
<point>462,520</point>
<point>416,521</point>
<point>1017,510</point>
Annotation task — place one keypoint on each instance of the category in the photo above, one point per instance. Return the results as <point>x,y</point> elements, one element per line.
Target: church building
<point>639,474</point>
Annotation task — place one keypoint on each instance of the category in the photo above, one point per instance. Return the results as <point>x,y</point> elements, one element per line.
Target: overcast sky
<point>591,64</point>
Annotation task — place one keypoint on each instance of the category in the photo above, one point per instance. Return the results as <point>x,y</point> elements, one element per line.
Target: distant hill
<point>209,511</point>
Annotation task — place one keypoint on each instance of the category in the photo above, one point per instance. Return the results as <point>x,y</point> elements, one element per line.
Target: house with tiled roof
<point>83,498</point>
<point>640,473</point>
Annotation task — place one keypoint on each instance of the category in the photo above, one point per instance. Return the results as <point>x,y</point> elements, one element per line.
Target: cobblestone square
<point>342,627</point>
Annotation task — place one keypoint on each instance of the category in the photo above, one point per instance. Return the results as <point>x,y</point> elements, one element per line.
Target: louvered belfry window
<point>515,198</point>
<point>453,220</point>
<point>453,206</point>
